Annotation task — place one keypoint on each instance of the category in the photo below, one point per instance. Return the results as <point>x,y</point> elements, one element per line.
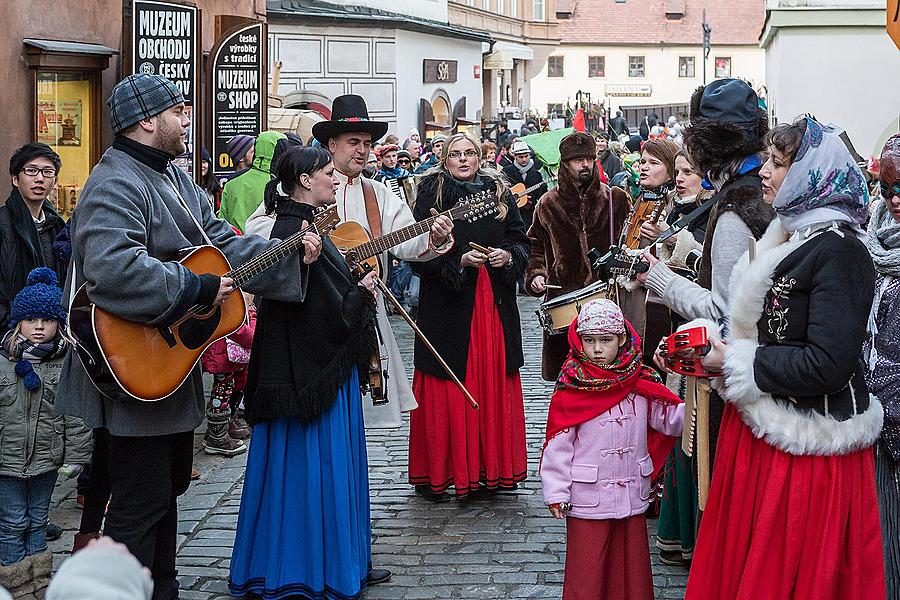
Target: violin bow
<point>396,303</point>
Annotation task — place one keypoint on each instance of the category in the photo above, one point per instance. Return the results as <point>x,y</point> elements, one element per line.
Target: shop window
<point>635,66</point>
<point>686,66</point>
<point>723,66</point>
<point>596,66</point>
<point>555,66</point>
<point>67,109</point>
<point>65,122</point>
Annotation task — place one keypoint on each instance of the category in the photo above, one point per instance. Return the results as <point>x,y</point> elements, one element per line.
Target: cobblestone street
<point>504,546</point>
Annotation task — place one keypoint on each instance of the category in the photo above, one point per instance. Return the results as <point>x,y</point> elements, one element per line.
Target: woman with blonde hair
<point>467,308</point>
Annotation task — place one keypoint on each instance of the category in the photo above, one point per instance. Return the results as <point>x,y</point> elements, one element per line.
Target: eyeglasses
<point>403,161</point>
<point>888,191</point>
<point>48,172</point>
<point>459,154</point>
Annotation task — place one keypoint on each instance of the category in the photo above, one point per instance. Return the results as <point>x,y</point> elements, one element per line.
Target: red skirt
<point>785,527</point>
<point>450,443</point>
<point>607,559</point>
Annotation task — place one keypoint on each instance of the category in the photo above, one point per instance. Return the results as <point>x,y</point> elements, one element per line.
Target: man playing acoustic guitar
<point>136,212</point>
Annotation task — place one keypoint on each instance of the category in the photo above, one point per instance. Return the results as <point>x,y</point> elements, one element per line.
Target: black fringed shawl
<point>303,352</point>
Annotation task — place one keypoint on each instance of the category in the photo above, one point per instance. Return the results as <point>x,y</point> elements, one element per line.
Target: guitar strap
<point>373,215</point>
<point>188,210</point>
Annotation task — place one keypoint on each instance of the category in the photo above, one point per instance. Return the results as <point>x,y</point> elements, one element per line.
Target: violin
<point>648,210</point>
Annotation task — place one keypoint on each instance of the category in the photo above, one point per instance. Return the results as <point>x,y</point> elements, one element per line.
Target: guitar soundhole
<point>194,333</point>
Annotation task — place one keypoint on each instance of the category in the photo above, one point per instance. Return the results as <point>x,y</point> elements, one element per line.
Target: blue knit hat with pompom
<point>41,298</point>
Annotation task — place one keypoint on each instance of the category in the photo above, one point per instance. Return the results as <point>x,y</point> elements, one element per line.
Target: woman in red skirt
<point>792,512</point>
<point>467,309</point>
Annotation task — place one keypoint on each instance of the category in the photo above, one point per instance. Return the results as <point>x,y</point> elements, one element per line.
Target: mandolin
<point>647,210</point>
<point>149,363</point>
<point>358,247</point>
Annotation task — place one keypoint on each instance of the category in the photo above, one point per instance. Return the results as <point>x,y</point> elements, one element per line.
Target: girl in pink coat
<point>609,430</point>
<point>227,360</point>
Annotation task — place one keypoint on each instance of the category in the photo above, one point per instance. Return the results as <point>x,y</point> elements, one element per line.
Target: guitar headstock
<point>475,206</point>
<point>326,218</point>
<point>617,262</point>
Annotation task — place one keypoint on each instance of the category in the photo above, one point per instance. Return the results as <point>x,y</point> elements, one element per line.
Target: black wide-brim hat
<point>348,115</point>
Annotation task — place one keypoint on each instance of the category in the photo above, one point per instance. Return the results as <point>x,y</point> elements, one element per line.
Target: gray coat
<point>128,226</point>
<point>33,438</point>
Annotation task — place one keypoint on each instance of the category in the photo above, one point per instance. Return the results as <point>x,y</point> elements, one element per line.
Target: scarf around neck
<point>526,168</point>
<point>883,241</point>
<point>25,354</point>
<point>585,390</point>
<point>823,176</point>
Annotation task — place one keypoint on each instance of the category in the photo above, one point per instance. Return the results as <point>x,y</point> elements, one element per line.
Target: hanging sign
<point>237,90</point>
<point>165,40</point>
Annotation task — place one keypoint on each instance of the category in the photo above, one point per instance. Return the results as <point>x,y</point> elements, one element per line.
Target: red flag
<point>578,121</point>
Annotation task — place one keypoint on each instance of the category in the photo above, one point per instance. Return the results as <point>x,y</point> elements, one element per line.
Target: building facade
<point>413,71</point>
<point>525,32</point>
<point>59,62</point>
<point>644,55</point>
<point>833,59</point>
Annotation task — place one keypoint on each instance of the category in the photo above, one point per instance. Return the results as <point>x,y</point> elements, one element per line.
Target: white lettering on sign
<point>164,49</point>
<point>164,23</point>
<point>236,79</point>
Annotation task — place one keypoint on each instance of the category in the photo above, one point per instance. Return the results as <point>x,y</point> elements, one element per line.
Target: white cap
<point>520,147</point>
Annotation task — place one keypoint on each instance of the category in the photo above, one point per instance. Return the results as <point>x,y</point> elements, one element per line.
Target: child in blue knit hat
<point>35,441</point>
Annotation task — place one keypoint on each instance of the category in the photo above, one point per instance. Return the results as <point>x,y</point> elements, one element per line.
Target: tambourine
<point>684,351</point>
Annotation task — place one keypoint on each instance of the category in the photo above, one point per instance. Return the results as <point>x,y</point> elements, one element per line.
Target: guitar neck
<point>268,258</point>
<point>386,242</point>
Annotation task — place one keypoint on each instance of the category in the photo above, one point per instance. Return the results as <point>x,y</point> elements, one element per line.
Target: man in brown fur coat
<point>569,220</point>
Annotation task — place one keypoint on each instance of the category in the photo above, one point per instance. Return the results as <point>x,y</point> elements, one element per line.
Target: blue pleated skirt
<point>303,529</point>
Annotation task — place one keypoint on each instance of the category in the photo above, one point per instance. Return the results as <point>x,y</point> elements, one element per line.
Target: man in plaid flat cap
<point>135,213</point>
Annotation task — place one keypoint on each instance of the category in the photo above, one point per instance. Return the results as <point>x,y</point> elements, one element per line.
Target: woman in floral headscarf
<point>882,353</point>
<point>790,513</point>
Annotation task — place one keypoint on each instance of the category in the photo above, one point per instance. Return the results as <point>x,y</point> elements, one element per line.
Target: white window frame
<point>538,10</point>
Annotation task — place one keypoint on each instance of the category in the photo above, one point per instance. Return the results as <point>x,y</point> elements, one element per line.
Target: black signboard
<point>237,90</point>
<point>165,38</point>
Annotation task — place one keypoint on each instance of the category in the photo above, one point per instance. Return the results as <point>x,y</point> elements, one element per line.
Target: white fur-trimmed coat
<point>772,374</point>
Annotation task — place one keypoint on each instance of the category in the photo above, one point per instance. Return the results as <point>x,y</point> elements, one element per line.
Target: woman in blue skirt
<point>303,530</point>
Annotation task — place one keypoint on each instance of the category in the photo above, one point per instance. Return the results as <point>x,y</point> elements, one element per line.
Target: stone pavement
<point>504,546</point>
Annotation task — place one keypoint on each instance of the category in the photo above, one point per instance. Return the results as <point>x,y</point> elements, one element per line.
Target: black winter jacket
<point>447,292</point>
<point>23,248</point>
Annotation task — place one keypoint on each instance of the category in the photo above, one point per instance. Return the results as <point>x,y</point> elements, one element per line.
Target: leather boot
<point>217,440</point>
<point>82,539</point>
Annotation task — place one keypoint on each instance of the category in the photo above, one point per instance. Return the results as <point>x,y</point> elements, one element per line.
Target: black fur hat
<point>726,124</point>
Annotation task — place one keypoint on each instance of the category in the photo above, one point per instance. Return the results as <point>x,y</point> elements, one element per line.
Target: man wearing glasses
<point>28,222</point>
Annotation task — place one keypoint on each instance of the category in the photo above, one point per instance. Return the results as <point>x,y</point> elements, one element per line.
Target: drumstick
<point>480,248</point>
<point>550,286</point>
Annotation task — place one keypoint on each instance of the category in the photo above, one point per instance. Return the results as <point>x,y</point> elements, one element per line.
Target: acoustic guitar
<point>149,363</point>
<point>521,192</point>
<point>359,249</point>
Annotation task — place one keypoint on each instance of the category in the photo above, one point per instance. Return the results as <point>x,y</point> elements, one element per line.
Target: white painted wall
<point>660,70</point>
<point>384,66</point>
<point>851,81</point>
<point>412,49</point>
<point>436,10</point>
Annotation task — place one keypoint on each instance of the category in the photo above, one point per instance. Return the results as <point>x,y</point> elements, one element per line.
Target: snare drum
<point>556,315</point>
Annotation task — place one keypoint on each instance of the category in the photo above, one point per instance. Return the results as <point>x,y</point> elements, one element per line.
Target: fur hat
<point>577,144</point>
<point>726,124</point>
<point>39,299</point>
